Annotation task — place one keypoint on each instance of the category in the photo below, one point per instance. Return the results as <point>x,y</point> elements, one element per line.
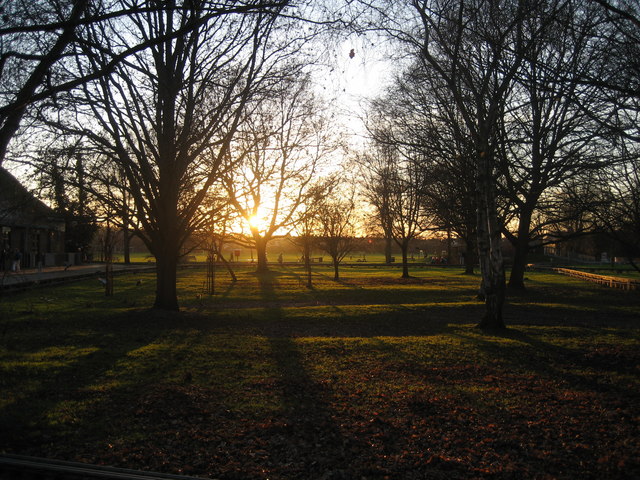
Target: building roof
<point>20,208</point>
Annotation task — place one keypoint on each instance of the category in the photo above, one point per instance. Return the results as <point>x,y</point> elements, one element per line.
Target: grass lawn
<point>370,377</point>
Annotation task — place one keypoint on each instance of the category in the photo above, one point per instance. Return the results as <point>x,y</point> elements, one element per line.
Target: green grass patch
<point>372,376</point>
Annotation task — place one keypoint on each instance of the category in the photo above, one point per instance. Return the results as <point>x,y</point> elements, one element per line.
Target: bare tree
<point>614,201</point>
<point>337,233</point>
<point>307,226</point>
<point>399,186</point>
<point>450,202</point>
<point>276,159</point>
<point>410,217</point>
<point>41,41</point>
<point>377,167</point>
<point>549,137</point>
<point>34,36</point>
<point>476,48</point>
<point>109,190</point>
<point>217,218</point>
<point>63,177</point>
<point>168,114</point>
<point>619,73</point>
<point>423,120</point>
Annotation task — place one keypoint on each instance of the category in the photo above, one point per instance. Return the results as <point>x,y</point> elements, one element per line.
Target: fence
<point>606,280</point>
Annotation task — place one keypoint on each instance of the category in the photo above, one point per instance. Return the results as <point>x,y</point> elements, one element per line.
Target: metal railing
<point>19,467</point>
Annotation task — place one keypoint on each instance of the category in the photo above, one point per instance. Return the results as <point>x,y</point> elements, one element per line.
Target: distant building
<point>28,225</point>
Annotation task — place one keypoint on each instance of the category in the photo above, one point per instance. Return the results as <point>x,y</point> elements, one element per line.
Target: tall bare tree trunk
<point>126,244</point>
<point>489,245</point>
<point>261,252</point>
<point>516,278</point>
<point>166,246</point>
<point>307,259</point>
<point>469,257</point>
<point>166,276</point>
<point>388,241</point>
<point>405,259</point>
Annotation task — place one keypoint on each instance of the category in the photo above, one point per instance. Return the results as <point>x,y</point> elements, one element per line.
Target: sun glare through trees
<point>258,222</point>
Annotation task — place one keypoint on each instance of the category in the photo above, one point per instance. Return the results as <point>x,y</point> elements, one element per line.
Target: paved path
<point>32,277</point>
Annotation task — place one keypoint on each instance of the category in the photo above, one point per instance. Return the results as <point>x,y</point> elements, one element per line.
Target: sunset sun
<point>258,222</point>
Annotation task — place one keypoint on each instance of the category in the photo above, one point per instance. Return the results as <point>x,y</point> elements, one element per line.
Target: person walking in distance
<point>17,257</point>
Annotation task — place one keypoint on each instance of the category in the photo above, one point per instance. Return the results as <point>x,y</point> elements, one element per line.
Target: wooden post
<point>211,272</point>
<point>108,261</point>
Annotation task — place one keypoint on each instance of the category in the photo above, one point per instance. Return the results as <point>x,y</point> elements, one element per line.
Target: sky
<point>357,72</point>
<point>361,73</point>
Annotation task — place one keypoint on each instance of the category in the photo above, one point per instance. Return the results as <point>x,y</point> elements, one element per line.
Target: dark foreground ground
<point>372,377</point>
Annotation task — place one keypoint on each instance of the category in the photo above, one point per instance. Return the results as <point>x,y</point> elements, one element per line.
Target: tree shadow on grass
<point>306,438</point>
<point>302,277</point>
<point>231,285</point>
<point>581,369</point>
<point>524,393</point>
<point>306,441</point>
<point>342,321</point>
<point>61,384</point>
<point>578,402</point>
